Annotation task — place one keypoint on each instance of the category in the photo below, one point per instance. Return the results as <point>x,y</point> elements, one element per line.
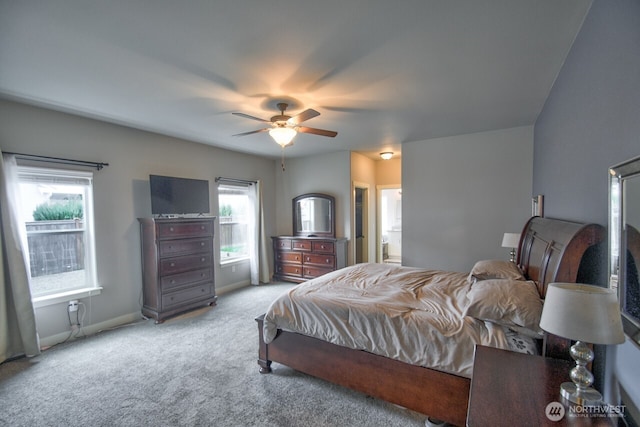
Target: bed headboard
<point>552,250</point>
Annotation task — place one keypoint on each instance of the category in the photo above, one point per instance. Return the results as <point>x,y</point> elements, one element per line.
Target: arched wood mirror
<point>314,215</point>
<point>624,241</point>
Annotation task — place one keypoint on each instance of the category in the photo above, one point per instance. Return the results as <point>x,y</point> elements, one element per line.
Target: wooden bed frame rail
<point>550,250</point>
<point>423,390</point>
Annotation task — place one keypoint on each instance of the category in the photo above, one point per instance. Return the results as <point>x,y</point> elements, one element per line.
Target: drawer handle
<point>323,247</point>
<point>173,264</point>
<point>202,244</point>
<point>172,281</point>
<point>202,259</point>
<point>327,260</point>
<point>170,228</point>
<point>201,274</point>
<point>202,227</point>
<point>297,258</point>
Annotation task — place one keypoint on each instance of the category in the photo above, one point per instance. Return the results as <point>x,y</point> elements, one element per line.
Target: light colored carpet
<point>198,369</point>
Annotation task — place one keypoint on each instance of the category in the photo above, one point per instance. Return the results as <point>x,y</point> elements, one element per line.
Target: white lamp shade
<point>583,313</point>
<point>282,135</point>
<point>511,240</point>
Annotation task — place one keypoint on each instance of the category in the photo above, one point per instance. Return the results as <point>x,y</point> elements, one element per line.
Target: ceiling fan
<point>284,127</point>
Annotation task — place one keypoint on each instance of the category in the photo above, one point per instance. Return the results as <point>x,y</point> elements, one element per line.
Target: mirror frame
<point>618,244</point>
<point>332,209</point>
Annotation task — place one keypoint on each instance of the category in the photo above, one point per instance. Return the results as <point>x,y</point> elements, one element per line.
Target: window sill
<point>61,297</point>
<point>225,263</point>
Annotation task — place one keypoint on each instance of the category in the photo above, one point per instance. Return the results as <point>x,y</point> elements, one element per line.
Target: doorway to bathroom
<point>390,225</point>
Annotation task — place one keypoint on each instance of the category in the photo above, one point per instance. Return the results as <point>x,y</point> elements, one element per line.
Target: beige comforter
<point>408,314</point>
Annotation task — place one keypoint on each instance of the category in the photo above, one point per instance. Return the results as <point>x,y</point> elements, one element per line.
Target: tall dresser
<point>297,259</point>
<point>177,265</point>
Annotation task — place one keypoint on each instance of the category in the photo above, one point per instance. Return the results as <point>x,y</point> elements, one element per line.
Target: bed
<point>549,250</point>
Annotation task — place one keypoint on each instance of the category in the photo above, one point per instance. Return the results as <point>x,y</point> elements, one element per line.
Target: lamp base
<point>586,397</point>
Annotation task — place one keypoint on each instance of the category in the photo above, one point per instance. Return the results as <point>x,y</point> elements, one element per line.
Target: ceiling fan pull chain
<point>282,160</point>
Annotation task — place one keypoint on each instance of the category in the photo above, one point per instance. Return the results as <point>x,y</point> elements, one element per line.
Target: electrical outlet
<point>73,306</point>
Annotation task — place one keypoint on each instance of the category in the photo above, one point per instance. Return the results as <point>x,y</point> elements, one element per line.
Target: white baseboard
<point>91,329</point>
<point>122,320</point>
<point>232,287</point>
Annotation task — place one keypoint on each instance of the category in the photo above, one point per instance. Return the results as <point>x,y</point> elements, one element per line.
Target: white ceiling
<point>380,72</point>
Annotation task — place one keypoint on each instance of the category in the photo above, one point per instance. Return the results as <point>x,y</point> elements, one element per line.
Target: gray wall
<point>121,194</point>
<point>461,194</point>
<point>327,173</point>
<point>591,121</point>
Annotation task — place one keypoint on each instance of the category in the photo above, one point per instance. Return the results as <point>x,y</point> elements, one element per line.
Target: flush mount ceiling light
<point>386,155</point>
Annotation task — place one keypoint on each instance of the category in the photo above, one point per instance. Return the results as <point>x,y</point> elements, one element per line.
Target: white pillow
<point>506,302</point>
<point>495,269</point>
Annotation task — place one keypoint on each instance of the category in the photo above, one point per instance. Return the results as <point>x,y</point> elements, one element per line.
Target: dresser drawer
<point>323,247</point>
<point>289,270</point>
<point>184,263</point>
<point>185,229</point>
<point>188,295</point>
<point>301,245</point>
<point>313,272</point>
<point>184,246</point>
<point>283,244</point>
<point>180,279</point>
<point>290,257</point>
<point>320,260</point>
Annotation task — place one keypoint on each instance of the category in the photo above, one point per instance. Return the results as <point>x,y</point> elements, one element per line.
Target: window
<point>234,213</point>
<point>56,208</point>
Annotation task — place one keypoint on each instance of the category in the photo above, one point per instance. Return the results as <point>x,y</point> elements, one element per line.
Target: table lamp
<point>585,314</point>
<point>511,240</point>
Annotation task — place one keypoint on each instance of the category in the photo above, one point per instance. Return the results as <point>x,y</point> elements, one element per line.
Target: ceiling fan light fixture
<point>282,135</point>
<point>386,155</point>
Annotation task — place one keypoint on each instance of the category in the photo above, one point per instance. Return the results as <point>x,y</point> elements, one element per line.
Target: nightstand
<point>514,389</point>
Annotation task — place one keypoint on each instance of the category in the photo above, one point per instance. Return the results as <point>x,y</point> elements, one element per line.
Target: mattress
<point>403,313</point>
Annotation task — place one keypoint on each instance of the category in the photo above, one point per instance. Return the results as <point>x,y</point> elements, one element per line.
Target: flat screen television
<point>178,196</point>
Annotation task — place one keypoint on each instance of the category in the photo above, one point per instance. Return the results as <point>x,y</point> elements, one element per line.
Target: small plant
<point>226,210</point>
<point>71,209</point>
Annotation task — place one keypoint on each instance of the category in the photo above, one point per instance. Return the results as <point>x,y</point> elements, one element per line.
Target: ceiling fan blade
<point>246,116</point>
<point>321,132</point>
<point>305,115</point>
<point>251,132</point>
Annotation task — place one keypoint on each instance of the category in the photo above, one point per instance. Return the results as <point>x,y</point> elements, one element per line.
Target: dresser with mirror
<point>313,248</point>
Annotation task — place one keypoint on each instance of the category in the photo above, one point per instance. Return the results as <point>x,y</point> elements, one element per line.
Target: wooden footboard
<point>434,393</point>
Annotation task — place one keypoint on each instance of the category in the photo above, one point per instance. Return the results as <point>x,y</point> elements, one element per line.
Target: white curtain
<point>258,253</point>
<point>18,335</point>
